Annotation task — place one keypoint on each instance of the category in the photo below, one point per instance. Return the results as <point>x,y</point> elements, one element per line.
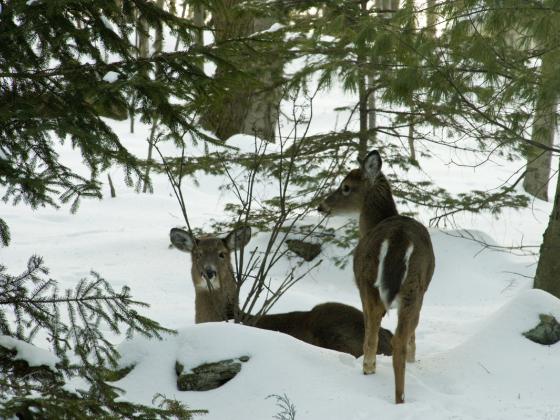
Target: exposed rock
<point>306,250</point>
<point>547,332</point>
<point>209,375</point>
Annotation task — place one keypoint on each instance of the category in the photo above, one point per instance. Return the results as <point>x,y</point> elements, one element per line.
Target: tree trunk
<point>264,107</point>
<point>363,110</point>
<point>197,14</point>
<point>143,37</point>
<point>158,41</point>
<point>142,42</point>
<point>158,47</point>
<point>431,18</point>
<point>411,147</point>
<point>251,105</point>
<point>363,77</point>
<point>183,11</point>
<point>111,187</point>
<point>538,160</point>
<point>387,7</point>
<point>372,116</point>
<point>547,276</point>
<point>198,20</point>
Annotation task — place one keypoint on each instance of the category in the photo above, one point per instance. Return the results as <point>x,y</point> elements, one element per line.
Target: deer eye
<point>221,255</point>
<point>346,189</point>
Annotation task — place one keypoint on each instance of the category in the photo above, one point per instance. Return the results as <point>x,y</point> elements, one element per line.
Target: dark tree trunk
<point>251,105</point>
<point>547,276</point>
<point>539,160</point>
<point>111,186</point>
<point>372,116</point>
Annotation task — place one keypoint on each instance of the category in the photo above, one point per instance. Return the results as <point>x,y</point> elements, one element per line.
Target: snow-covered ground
<point>494,373</point>
<point>473,362</point>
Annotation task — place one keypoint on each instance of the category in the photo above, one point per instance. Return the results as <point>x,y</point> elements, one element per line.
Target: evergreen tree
<point>513,45</point>
<point>438,89</point>
<point>420,81</point>
<point>63,66</point>
<point>72,322</point>
<point>55,84</point>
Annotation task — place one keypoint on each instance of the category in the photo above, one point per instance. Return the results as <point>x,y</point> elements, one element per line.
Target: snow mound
<point>469,274</point>
<point>496,374</point>
<point>499,362</point>
<point>278,364</point>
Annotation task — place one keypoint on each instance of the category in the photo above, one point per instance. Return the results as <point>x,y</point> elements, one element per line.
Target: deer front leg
<point>371,338</point>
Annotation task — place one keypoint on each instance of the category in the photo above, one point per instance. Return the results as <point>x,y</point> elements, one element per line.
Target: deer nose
<point>210,273</point>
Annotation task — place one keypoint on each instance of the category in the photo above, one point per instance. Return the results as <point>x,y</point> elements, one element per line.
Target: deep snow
<point>473,362</point>
<point>495,374</point>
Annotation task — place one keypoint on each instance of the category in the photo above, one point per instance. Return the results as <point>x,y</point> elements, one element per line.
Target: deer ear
<point>182,240</point>
<point>371,164</point>
<point>238,238</point>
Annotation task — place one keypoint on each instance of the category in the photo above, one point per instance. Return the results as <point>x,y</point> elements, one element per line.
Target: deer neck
<point>216,304</point>
<point>211,307</point>
<point>378,205</point>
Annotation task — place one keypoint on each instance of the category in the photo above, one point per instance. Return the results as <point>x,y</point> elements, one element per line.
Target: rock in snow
<point>547,332</point>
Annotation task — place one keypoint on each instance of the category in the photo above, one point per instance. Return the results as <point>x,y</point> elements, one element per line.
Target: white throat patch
<point>202,284</point>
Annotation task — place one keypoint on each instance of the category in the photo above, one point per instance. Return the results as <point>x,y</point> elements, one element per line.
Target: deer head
<point>211,262</point>
<point>365,191</point>
<point>347,198</point>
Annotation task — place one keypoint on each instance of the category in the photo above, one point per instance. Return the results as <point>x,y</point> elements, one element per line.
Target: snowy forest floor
<point>473,362</point>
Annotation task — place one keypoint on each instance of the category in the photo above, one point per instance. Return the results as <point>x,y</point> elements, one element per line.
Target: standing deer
<point>393,261</point>
<point>329,325</point>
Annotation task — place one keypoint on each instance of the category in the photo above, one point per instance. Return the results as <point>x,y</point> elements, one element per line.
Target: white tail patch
<point>382,254</point>
<point>407,255</point>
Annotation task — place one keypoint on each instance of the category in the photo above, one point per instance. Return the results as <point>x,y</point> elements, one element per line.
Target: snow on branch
<point>74,319</point>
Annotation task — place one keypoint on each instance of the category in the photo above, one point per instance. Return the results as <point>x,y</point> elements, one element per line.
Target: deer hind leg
<point>411,348</point>
<point>404,336</point>
<point>373,312</point>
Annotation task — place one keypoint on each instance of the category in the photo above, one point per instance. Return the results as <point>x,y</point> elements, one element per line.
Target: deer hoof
<point>369,368</point>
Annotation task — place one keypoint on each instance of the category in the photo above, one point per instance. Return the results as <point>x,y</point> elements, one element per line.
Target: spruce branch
<point>90,307</point>
<point>4,233</point>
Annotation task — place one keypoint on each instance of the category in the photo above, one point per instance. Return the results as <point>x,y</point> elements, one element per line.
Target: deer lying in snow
<point>393,262</point>
<point>329,325</point>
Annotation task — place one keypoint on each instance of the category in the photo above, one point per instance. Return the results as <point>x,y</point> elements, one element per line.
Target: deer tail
<point>392,270</point>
